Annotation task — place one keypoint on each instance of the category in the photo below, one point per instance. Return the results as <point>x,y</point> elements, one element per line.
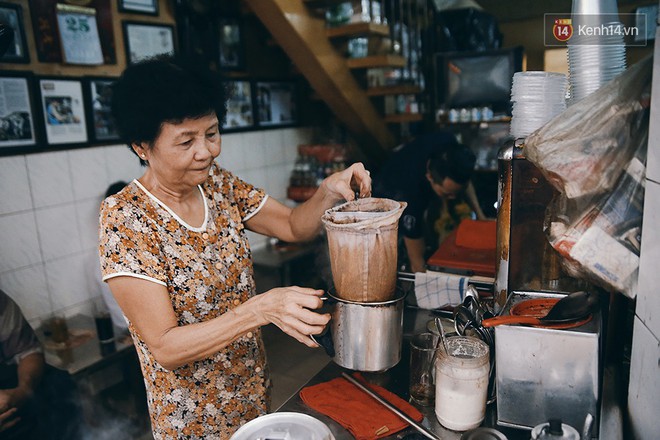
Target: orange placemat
<point>356,411</point>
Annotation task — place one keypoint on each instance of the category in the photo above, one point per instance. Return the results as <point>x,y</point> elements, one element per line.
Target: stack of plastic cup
<point>537,97</point>
<point>597,57</point>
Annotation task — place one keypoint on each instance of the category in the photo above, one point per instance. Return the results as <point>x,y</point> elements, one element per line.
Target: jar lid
<point>555,430</point>
<point>483,434</point>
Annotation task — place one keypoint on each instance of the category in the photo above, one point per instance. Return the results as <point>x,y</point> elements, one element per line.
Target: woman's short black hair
<point>164,89</point>
<point>455,161</point>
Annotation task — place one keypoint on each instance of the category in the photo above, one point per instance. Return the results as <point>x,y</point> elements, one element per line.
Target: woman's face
<point>182,154</point>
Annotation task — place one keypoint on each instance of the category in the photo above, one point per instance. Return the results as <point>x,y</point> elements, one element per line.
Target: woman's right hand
<point>291,309</point>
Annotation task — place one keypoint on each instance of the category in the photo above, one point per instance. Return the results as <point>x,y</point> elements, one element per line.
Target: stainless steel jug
<point>364,336</point>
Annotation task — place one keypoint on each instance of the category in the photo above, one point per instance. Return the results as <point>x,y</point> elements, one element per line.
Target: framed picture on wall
<point>17,126</point>
<point>240,114</point>
<point>148,7</point>
<point>11,15</point>
<point>145,40</point>
<point>230,44</point>
<point>63,110</point>
<point>276,103</point>
<point>98,100</point>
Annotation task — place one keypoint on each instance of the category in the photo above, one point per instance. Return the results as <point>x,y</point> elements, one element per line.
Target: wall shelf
<point>376,61</point>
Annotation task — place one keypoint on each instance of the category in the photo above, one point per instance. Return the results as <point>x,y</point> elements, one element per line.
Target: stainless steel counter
<point>395,380</point>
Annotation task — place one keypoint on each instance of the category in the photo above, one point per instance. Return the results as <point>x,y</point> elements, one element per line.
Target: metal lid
<point>483,434</point>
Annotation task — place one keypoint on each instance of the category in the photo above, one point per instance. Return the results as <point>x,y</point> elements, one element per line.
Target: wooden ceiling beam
<point>303,37</point>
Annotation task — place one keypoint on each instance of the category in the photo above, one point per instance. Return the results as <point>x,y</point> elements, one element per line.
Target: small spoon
<point>442,338</point>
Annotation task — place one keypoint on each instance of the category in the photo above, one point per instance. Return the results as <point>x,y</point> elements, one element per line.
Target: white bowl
<point>284,426</point>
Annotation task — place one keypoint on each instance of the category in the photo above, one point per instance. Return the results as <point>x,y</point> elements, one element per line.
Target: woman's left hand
<point>345,184</point>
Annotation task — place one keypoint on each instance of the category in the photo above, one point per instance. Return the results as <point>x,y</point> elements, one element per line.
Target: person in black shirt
<point>430,166</point>
<point>36,401</point>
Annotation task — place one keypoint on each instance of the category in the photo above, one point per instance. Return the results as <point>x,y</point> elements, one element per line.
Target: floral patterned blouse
<point>207,271</point>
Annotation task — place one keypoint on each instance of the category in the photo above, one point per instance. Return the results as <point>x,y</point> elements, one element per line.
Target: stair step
<point>376,61</point>
<point>357,29</point>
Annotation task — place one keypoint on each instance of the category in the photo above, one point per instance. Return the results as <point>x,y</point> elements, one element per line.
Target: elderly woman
<point>175,255</point>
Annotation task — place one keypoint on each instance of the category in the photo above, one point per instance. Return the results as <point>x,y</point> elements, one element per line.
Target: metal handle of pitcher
<point>325,338</point>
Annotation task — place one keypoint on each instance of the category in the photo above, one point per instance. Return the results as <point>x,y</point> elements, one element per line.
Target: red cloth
<point>477,234</point>
<point>355,410</point>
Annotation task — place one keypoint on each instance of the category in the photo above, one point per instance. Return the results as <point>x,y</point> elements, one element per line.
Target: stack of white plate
<point>537,97</point>
<point>595,60</point>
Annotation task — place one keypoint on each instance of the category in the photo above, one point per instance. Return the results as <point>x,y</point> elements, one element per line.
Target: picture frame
<point>11,14</point>
<point>240,106</point>
<point>276,103</point>
<point>63,113</point>
<point>146,7</point>
<point>18,129</point>
<point>98,100</point>
<point>231,47</point>
<point>145,40</point>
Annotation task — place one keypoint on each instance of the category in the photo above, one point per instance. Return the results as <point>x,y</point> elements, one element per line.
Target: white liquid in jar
<point>462,383</point>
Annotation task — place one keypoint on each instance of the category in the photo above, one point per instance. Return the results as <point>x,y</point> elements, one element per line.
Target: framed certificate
<point>146,40</point>
<point>148,7</point>
<point>63,111</point>
<point>17,126</point>
<point>11,15</point>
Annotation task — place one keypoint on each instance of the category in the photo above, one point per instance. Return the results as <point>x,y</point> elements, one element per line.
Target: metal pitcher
<point>364,336</point>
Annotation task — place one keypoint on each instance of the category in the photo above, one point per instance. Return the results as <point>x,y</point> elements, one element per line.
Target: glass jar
<point>461,383</point>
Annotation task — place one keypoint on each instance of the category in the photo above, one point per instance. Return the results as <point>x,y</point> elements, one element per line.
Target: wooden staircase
<point>307,42</point>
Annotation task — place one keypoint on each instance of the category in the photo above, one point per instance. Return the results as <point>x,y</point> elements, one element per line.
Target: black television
<point>477,79</point>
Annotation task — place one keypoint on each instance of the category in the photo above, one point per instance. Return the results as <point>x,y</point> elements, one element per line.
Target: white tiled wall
<point>49,211</point>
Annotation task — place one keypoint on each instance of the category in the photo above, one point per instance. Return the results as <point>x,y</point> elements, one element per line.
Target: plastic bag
<point>584,149</point>
<point>594,154</point>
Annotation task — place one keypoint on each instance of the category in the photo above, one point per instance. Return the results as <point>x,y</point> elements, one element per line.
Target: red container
<point>468,250</point>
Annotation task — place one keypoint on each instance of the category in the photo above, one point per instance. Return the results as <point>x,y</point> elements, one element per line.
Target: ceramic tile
<point>58,231</point>
<point>14,185</point>
<point>273,149</point>
<point>87,215</point>
<point>278,181</point>
<point>232,157</point>
<point>20,243</point>
<point>259,178</point>
<point>67,281</point>
<point>289,153</point>
<point>50,178</point>
<point>121,164</point>
<point>255,149</point>
<point>88,172</point>
<point>27,287</point>
<point>648,300</point>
